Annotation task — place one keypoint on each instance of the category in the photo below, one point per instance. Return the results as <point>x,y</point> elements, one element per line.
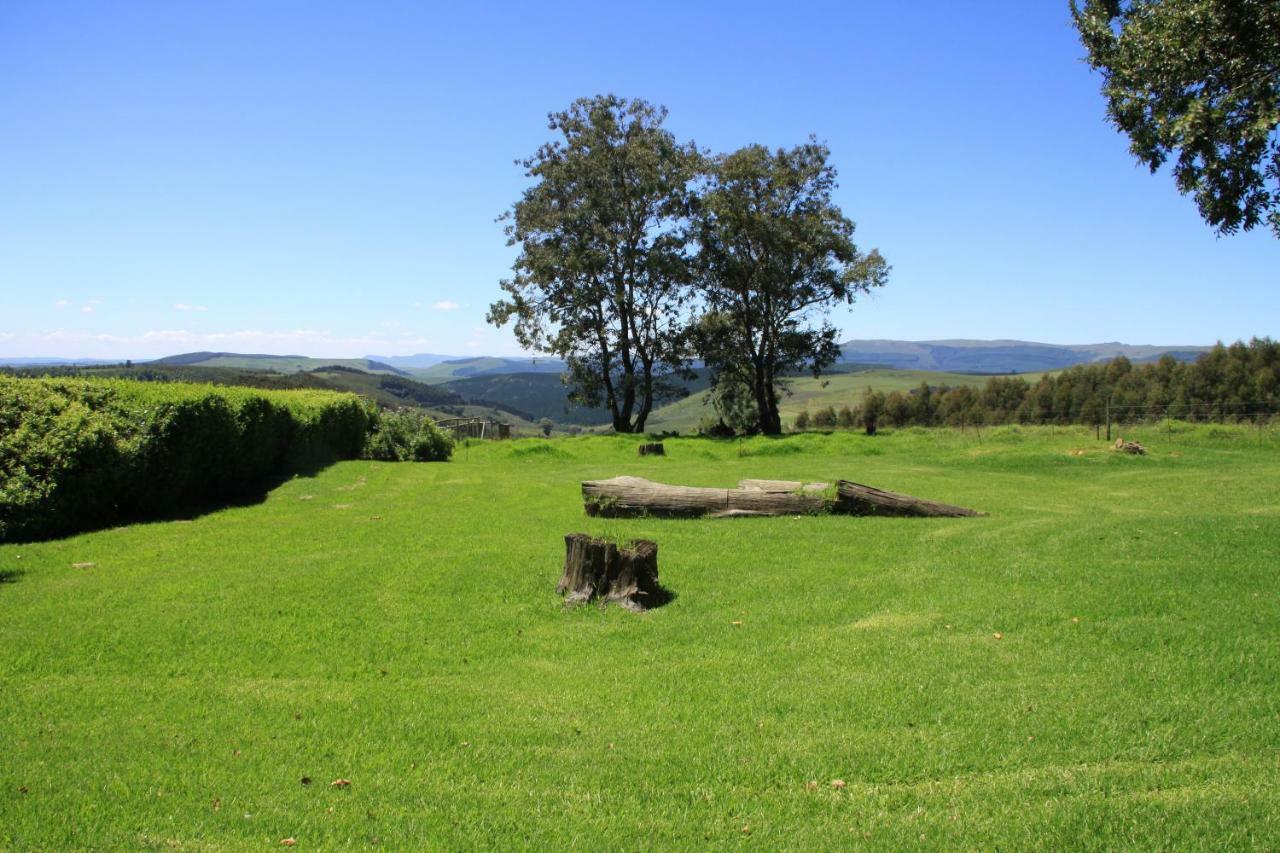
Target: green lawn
<point>1095,665</point>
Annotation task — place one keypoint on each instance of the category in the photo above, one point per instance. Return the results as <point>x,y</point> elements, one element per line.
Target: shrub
<point>846,419</point>
<point>75,452</point>
<point>405,435</point>
<point>825,418</point>
<point>802,420</point>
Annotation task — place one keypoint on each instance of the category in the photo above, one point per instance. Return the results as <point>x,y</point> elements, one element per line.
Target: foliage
<point>1199,81</point>
<point>802,420</point>
<point>76,453</point>
<point>825,418</point>
<point>1237,382</point>
<point>601,275</point>
<point>407,435</point>
<point>775,254</point>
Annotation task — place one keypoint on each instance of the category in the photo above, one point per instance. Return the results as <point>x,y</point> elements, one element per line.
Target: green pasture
<point>808,393</point>
<point>1094,665</point>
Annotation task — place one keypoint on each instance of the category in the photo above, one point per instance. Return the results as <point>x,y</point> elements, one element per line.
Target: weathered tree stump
<point>653,449</point>
<point>597,569</point>
<point>857,499</point>
<point>631,497</point>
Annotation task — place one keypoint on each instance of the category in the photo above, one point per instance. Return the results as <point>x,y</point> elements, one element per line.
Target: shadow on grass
<point>660,597</point>
<point>10,575</point>
<point>245,495</point>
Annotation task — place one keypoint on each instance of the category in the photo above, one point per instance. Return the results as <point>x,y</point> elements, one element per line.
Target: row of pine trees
<point>1240,382</point>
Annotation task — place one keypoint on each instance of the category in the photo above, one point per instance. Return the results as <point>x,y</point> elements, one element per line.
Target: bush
<point>802,420</point>
<point>405,435</point>
<point>825,418</point>
<point>76,453</point>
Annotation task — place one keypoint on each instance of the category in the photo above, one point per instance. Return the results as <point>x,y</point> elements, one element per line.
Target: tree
<point>602,276</point>
<point>1198,80</point>
<point>774,255</point>
<point>872,408</point>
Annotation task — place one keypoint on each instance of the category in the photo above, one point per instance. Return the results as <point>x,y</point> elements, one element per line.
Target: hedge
<point>78,453</point>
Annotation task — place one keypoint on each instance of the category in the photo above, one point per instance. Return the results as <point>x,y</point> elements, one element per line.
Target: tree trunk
<point>631,497</point>
<point>598,569</point>
<point>856,499</point>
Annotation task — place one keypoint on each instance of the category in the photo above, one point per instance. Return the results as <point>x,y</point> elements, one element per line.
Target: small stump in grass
<point>1129,447</point>
<point>654,449</point>
<point>597,569</point>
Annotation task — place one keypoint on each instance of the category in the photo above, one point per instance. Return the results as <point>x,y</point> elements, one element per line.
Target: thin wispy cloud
<point>446,305</point>
<point>62,303</point>
<point>88,307</point>
<point>186,306</point>
<point>159,342</point>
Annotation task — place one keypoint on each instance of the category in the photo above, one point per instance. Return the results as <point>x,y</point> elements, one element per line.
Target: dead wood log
<point>654,449</point>
<point>599,569</point>
<point>629,497</point>
<point>779,486</point>
<point>857,499</point>
<point>1129,447</point>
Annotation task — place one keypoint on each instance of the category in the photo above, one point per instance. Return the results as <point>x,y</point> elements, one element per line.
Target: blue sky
<point>323,178</point>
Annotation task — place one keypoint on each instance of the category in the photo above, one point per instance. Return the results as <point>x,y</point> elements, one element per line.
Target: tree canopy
<point>774,255</point>
<point>1197,81</point>
<point>601,279</point>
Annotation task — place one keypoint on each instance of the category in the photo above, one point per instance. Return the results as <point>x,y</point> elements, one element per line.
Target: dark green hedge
<point>78,453</point>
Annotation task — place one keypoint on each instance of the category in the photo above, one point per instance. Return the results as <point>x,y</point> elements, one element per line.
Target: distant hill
<point>461,368</point>
<point>411,362</point>
<point>971,356</point>
<point>541,395</point>
<point>274,363</point>
<point>55,362</point>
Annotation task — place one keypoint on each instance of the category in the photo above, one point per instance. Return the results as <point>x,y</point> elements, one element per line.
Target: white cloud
<point>162,342</point>
<point>62,303</point>
<point>184,306</point>
<point>88,307</point>
<point>446,305</point>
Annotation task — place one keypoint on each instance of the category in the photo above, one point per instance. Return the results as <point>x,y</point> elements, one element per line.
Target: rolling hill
<point>973,356</point>
<point>462,368</point>
<point>272,363</point>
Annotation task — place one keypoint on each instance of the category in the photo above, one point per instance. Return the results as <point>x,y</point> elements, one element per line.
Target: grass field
<point>1095,665</point>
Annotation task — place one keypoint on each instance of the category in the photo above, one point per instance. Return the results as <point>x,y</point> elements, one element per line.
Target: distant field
<point>1094,665</point>
<point>807,393</point>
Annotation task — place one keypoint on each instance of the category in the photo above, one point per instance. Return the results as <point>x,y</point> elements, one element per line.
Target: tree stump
<point>653,449</point>
<point>597,569</point>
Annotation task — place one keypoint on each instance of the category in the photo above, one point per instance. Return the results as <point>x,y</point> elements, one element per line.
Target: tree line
<point>1236,382</point>
<point>641,255</point>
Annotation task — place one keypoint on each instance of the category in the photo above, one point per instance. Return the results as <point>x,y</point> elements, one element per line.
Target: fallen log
<point>631,497</point>
<point>599,569</point>
<point>1129,447</point>
<point>653,449</point>
<point>857,499</point>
